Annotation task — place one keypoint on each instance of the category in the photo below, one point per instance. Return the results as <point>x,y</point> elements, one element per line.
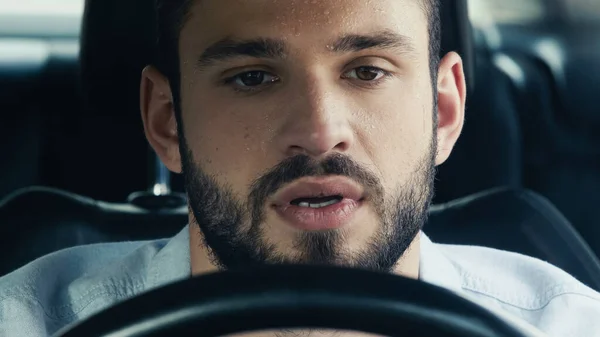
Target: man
<point>308,132</point>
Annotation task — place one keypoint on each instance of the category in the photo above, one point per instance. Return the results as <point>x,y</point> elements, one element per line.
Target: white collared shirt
<point>515,286</point>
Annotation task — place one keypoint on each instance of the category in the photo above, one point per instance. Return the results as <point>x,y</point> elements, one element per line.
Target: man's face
<point>308,129</point>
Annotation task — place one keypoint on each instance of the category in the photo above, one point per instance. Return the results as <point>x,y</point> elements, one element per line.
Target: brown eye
<point>366,73</point>
<point>254,78</point>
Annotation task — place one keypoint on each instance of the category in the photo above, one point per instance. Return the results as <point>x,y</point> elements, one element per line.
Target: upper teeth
<point>319,205</point>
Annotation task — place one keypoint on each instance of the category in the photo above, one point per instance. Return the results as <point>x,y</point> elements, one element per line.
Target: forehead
<point>302,22</point>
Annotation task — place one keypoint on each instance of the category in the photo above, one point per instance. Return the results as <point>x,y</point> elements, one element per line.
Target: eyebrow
<point>230,48</point>
<point>380,40</point>
<point>273,48</point>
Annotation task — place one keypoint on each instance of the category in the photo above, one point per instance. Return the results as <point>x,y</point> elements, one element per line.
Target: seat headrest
<point>118,37</point>
<point>117,42</point>
<point>457,35</point>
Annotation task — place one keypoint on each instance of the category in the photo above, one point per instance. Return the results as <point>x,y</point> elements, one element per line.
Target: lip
<point>312,219</point>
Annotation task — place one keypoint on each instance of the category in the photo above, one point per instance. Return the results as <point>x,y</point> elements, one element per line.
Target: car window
<point>509,11</point>
<point>584,10</point>
<point>40,18</point>
<point>536,12</point>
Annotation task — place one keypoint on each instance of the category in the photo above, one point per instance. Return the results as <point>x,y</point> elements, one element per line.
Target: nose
<point>318,124</point>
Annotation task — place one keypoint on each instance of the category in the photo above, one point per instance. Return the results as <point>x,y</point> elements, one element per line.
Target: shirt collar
<point>172,263</point>
<point>435,268</point>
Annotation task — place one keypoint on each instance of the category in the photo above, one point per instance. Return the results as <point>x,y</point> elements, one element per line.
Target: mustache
<point>301,166</point>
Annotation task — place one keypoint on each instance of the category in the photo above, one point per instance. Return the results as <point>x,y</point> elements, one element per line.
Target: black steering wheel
<point>278,297</point>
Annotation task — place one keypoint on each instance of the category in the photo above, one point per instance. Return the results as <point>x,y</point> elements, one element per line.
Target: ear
<point>452,94</point>
<point>158,114</point>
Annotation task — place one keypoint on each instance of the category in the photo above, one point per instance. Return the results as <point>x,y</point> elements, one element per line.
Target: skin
<point>318,106</point>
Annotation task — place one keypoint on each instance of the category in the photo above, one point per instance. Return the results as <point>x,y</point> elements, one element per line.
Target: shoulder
<point>513,278</point>
<point>66,285</point>
<point>530,288</point>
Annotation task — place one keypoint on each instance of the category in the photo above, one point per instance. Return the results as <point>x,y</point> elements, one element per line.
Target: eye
<point>366,73</point>
<point>253,79</point>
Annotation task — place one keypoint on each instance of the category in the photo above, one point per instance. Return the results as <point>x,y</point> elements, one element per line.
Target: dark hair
<point>173,14</point>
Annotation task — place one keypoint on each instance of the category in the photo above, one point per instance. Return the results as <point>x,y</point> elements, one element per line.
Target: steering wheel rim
<point>276,297</point>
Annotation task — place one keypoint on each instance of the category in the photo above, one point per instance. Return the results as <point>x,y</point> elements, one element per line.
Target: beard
<point>233,230</point>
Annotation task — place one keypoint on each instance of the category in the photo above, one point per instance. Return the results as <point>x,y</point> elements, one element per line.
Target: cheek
<point>397,135</point>
<point>229,144</point>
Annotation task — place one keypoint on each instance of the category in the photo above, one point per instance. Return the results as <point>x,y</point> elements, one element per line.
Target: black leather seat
<point>39,220</point>
<point>516,220</point>
<point>560,118</point>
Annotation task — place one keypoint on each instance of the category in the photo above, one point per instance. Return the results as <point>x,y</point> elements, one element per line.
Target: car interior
<point>523,177</point>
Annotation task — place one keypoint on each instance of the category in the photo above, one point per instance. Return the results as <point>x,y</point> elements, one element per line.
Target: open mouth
<point>318,202</point>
